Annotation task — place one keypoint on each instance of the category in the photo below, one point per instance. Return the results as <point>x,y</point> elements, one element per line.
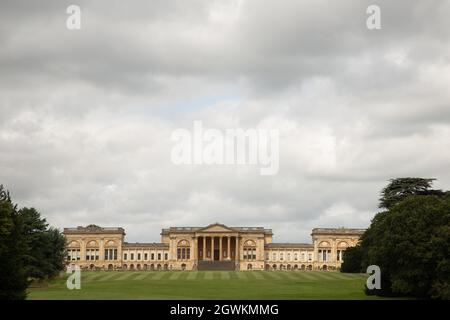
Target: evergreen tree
<point>13,280</point>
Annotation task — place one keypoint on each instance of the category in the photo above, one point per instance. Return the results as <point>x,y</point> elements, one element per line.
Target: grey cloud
<point>86,116</point>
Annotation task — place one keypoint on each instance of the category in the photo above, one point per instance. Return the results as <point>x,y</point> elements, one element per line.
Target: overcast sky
<point>86,116</point>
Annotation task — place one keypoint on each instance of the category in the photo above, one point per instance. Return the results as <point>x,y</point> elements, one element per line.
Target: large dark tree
<point>45,247</point>
<point>410,243</point>
<point>353,260</point>
<point>13,280</point>
<point>29,249</point>
<point>400,188</point>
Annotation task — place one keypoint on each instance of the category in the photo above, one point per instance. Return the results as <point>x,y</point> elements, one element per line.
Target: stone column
<point>236,252</point>
<point>212,247</point>
<point>228,247</point>
<point>101,257</point>
<point>194,250</point>
<point>334,251</point>
<point>204,248</point>
<point>220,248</point>
<point>83,250</point>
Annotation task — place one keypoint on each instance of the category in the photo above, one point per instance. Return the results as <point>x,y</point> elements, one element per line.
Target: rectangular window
<point>115,254</point>
<point>166,256</point>
<point>188,254</point>
<point>183,254</point>
<point>145,256</point>
<point>152,256</point>
<point>132,256</point>
<point>125,256</point>
<point>159,256</point>
<point>139,256</point>
<point>179,254</point>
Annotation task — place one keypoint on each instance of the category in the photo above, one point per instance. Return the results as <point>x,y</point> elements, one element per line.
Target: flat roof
<point>93,229</point>
<point>289,245</point>
<point>338,231</point>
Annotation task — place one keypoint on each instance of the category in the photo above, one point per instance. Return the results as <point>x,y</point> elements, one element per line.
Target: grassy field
<point>207,285</point>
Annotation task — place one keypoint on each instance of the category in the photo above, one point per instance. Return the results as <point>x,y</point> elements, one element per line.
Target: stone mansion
<point>214,247</point>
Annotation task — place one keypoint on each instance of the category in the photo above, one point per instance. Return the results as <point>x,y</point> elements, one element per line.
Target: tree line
<point>30,250</point>
<point>409,240</point>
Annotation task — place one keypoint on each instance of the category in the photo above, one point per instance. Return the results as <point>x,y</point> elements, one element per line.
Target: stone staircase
<point>215,265</point>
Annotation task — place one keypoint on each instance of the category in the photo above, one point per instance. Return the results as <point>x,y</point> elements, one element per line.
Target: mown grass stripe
<point>304,275</point>
<point>142,276</point>
<point>108,277</point>
<point>174,275</point>
<point>86,275</point>
<point>233,275</point>
<point>258,275</point>
<point>99,276</point>
<point>225,275</point>
<point>289,275</point>
<point>192,275</point>
<point>183,275</point>
<point>124,276</point>
<point>342,276</point>
<point>208,275</point>
<point>158,276</point>
<point>326,276</point>
<point>250,275</point>
<point>241,275</point>
<point>273,275</point>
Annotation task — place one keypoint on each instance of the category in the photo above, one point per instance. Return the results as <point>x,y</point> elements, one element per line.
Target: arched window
<point>74,251</point>
<point>92,251</point>
<point>110,253</point>
<point>324,252</point>
<point>183,250</point>
<point>340,251</point>
<point>249,250</point>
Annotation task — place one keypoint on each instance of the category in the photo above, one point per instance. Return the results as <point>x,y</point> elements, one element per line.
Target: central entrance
<point>217,251</point>
<point>216,255</point>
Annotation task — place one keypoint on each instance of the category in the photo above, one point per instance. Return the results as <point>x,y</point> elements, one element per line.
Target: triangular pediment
<point>216,227</point>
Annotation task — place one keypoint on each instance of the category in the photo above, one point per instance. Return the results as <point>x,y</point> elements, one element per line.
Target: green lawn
<point>207,285</point>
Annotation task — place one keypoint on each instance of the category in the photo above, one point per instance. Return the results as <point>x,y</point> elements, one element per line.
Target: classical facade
<point>214,247</point>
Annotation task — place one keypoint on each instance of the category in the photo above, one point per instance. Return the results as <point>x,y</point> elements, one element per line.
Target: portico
<point>217,247</point>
